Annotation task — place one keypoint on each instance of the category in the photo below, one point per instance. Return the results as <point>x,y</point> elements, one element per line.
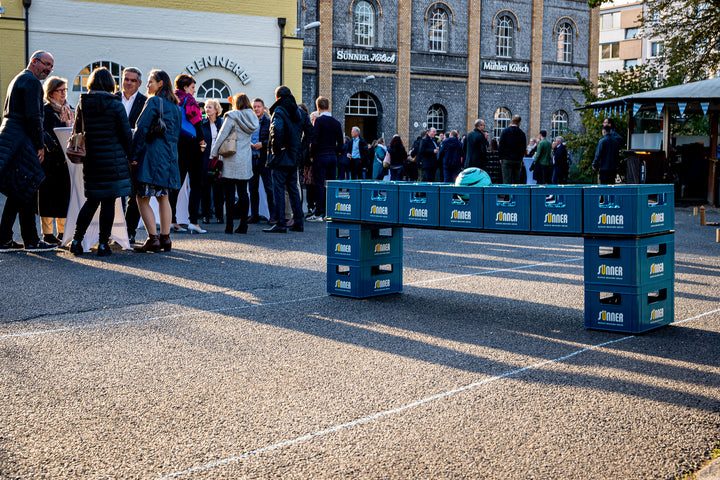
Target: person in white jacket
<point>237,168</point>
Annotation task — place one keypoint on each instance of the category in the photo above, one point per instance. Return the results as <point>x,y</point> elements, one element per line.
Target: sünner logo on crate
<point>418,213</point>
<point>506,217</point>
<point>343,284</point>
<point>378,210</point>
<point>343,207</point>
<point>610,271</point>
<point>381,284</point>
<point>461,215</point>
<point>657,268</point>
<point>340,248</point>
<point>657,314</point>
<point>556,219</point>
<point>382,248</point>
<point>656,218</point>
<point>610,317</point>
<point>606,219</point>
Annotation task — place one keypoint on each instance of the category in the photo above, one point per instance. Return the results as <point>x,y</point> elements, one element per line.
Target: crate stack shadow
<point>629,253</point>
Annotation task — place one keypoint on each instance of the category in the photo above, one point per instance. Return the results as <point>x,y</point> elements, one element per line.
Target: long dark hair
<point>166,91</point>
<point>396,142</point>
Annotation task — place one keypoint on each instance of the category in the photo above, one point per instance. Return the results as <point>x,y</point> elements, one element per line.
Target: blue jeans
<point>323,169</point>
<point>286,178</point>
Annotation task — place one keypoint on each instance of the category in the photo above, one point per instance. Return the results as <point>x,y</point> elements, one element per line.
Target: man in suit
<point>475,146</point>
<point>134,102</point>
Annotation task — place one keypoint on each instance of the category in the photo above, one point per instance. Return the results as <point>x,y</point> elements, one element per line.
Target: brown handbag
<point>229,145</point>
<point>76,144</point>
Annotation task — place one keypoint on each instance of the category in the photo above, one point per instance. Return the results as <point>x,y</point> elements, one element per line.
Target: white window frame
<point>656,49</point>
<point>504,37</point>
<point>362,104</point>
<point>612,24</point>
<point>436,117</point>
<point>610,45</point>
<point>214,85</point>
<point>364,24</point>
<point>559,123</point>
<point>438,30</point>
<point>501,120</point>
<point>565,42</point>
<point>81,79</point>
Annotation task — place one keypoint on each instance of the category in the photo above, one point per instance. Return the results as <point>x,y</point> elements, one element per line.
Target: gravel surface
<point>226,359</point>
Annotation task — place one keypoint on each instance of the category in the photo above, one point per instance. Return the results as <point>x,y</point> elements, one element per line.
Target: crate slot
<point>505,201</point>
<point>342,233</point>
<point>343,193</point>
<point>657,296</point>
<point>379,195</point>
<point>382,269</point>
<point>609,252</point>
<point>656,250</point>
<point>609,298</point>
<point>342,269</point>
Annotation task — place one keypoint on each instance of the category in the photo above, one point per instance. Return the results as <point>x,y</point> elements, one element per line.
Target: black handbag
<point>157,126</point>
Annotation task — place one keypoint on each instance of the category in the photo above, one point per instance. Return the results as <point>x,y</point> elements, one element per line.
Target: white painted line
<point>386,413</point>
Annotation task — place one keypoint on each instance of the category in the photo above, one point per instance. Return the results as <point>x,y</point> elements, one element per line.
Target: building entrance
<point>362,111</point>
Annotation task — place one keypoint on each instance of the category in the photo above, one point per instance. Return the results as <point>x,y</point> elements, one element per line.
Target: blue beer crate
<point>363,242</point>
<point>506,207</point>
<point>419,203</point>
<point>556,208</point>
<point>630,262</point>
<point>461,206</point>
<point>629,209</point>
<point>629,309</point>
<point>364,279</point>
<point>379,202</point>
<point>343,199</point>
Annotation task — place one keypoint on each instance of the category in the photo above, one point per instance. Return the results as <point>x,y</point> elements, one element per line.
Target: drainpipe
<point>281,23</point>
<point>26,4</point>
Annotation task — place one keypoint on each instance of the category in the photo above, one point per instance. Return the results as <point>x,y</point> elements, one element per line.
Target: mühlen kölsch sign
<point>511,67</point>
<point>222,62</point>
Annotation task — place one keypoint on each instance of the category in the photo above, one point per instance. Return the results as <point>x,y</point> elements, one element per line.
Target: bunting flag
<point>705,106</point>
<point>595,112</point>
<point>681,106</point>
<point>659,106</point>
<point>636,108</point>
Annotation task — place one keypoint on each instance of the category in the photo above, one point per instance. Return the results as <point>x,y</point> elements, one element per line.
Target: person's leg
<point>132,215</point>
<point>107,217</point>
<point>85,216</point>
<point>28,226</point>
<point>279,178</point>
<point>294,195</point>
<point>146,212</point>
<point>7,220</point>
<point>506,172</point>
<point>46,225</point>
<point>266,175</point>
<point>243,205</point>
<point>254,185</point>
<point>60,226</point>
<point>165,211</point>
<point>319,170</point>
<point>229,188</point>
<point>183,166</point>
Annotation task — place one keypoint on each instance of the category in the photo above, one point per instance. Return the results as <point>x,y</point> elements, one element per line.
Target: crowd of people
<point>141,147</point>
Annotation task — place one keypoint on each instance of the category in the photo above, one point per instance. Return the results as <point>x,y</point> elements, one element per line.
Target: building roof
<point>693,93</point>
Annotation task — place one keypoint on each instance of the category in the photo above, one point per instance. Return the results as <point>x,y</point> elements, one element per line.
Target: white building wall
<point>79,33</point>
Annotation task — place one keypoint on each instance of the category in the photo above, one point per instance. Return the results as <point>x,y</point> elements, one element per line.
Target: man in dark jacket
<point>561,162</point>
<point>475,146</point>
<point>512,151</point>
<point>428,155</point>
<point>133,101</point>
<point>327,143</point>
<point>260,169</point>
<point>288,124</point>
<point>451,156</point>
<point>357,153</point>
<point>606,157</point>
<point>22,152</point>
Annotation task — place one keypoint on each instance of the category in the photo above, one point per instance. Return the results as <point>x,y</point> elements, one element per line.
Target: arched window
<point>564,42</point>
<point>361,104</point>
<point>436,116</point>
<point>559,123</point>
<point>504,36</point>
<point>364,23</point>
<point>214,88</point>
<point>502,119</point>
<point>80,83</point>
<point>438,30</point>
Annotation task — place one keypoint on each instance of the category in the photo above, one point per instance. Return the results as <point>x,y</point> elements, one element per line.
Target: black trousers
<point>261,171</point>
<point>231,211</point>
<point>26,213</point>
<point>190,163</point>
<point>86,214</point>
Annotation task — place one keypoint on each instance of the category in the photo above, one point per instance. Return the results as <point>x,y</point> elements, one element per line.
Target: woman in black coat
<point>398,157</point>
<point>106,171</point>
<point>213,190</point>
<point>54,191</point>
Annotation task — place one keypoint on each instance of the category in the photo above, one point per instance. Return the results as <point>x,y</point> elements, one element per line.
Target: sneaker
<point>314,218</point>
<point>50,238</point>
<point>40,246</point>
<point>10,246</point>
<point>76,248</point>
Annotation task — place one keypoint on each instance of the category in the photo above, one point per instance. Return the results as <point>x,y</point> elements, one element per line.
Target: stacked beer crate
<point>363,260</point>
<point>629,257</point>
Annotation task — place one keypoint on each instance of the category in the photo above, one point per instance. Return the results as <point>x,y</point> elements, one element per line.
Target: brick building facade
<point>399,66</point>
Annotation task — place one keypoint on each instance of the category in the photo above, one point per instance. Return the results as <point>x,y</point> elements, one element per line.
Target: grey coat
<point>245,123</point>
<point>158,159</point>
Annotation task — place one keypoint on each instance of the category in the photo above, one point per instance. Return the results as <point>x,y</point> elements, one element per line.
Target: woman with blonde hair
<point>213,196</point>
<point>155,152</point>
<point>54,191</point>
<point>237,168</point>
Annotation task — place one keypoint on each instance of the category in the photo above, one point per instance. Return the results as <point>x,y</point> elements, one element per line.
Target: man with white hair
<point>357,153</point>
<point>22,152</point>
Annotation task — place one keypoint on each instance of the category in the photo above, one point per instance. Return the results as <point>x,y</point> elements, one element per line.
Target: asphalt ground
<point>225,358</point>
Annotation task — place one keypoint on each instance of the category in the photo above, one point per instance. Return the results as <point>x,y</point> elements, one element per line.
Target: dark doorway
<point>368,126</point>
<point>362,111</point>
